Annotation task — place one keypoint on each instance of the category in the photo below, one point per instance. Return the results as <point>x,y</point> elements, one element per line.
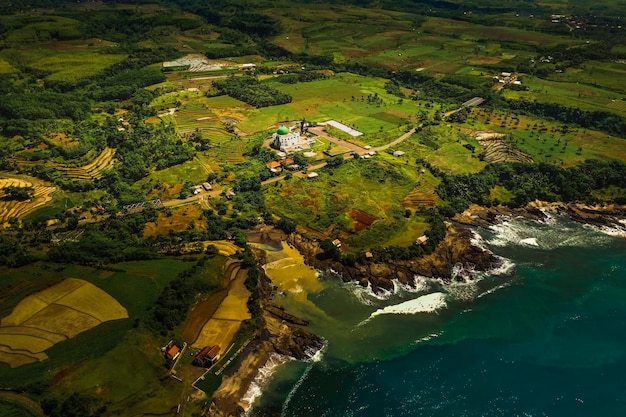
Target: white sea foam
<point>530,241</point>
<point>561,232</point>
<point>428,337</point>
<point>297,385</point>
<point>478,241</point>
<point>494,289</point>
<point>366,295</point>
<point>503,268</point>
<point>262,377</point>
<point>425,304</point>
<point>617,229</point>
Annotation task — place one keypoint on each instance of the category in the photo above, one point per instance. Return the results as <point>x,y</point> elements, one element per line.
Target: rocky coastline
<point>602,216</point>
<point>285,334</point>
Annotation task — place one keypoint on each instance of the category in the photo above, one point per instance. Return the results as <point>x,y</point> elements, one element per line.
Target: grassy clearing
<point>598,74</point>
<point>178,220</point>
<point>6,68</point>
<point>475,32</point>
<point>375,186</point>
<point>57,313</point>
<point>135,285</point>
<point>582,96</point>
<point>343,98</point>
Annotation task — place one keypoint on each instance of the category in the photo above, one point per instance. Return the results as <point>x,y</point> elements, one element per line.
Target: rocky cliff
<point>455,250</point>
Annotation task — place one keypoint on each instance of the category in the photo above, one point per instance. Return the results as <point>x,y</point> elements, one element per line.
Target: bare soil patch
<point>361,219</point>
<point>179,220</point>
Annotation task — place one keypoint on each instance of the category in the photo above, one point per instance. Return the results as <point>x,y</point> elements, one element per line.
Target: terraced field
<point>50,316</point>
<point>496,150</point>
<point>91,171</point>
<point>421,196</point>
<point>16,209</point>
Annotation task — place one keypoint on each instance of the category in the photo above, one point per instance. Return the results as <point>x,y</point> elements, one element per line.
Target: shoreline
<point>283,333</point>
<point>601,216</point>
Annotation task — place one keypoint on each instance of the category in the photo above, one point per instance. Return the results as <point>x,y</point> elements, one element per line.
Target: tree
<point>13,192</point>
<point>334,161</point>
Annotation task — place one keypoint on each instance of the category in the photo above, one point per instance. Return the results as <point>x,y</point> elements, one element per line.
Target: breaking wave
<point>616,229</point>
<point>425,304</point>
<point>262,378</point>
<point>366,295</point>
<point>560,231</point>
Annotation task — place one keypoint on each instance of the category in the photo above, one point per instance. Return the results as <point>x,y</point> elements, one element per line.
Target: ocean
<point>544,335</point>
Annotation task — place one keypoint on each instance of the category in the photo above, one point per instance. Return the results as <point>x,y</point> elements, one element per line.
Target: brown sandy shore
<point>284,334</point>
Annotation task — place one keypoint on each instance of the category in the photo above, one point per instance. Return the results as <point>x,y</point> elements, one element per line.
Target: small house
<point>421,240</point>
<point>207,186</point>
<point>273,165</point>
<point>313,175</point>
<point>247,67</point>
<point>172,352</point>
<point>398,153</point>
<point>337,243</point>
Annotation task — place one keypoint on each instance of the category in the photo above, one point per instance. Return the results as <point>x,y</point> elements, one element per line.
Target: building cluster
<point>207,356</point>
<point>197,189</point>
<point>507,78</point>
<point>568,20</point>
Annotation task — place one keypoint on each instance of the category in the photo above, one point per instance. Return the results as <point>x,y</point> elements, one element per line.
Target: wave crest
<point>425,304</point>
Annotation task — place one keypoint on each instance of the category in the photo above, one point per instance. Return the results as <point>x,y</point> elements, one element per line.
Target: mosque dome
<point>283,130</point>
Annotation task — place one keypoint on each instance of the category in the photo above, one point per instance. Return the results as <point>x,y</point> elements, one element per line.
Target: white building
<point>284,139</point>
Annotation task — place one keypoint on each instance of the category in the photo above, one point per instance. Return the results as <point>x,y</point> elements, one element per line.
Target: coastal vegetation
<point>141,179</point>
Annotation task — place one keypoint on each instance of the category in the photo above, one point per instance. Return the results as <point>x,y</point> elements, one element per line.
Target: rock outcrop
<point>455,250</point>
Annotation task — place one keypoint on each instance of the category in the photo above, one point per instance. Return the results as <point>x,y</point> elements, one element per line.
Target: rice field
<point>50,316</point>
<point>17,209</point>
<point>92,170</point>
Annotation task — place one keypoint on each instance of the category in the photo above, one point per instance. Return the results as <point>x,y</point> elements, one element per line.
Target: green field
<point>582,96</point>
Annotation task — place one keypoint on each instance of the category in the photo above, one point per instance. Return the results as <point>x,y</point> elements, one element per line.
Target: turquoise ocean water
<point>545,335</point>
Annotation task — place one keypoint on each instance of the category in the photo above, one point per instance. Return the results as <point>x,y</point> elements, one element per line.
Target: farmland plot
<point>55,314</point>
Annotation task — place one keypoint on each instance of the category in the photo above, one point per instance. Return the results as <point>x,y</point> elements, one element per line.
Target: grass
<point>10,408</point>
<point>374,186</point>
<point>596,74</point>
<point>572,94</point>
<point>136,285</point>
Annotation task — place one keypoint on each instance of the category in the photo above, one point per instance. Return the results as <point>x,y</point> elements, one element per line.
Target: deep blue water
<point>548,338</point>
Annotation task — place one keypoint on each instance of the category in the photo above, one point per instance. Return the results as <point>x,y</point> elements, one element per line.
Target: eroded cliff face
<point>277,337</point>
<point>609,215</point>
<point>456,249</point>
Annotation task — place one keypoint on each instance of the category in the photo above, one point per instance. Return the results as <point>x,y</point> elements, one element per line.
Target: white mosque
<point>289,140</point>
